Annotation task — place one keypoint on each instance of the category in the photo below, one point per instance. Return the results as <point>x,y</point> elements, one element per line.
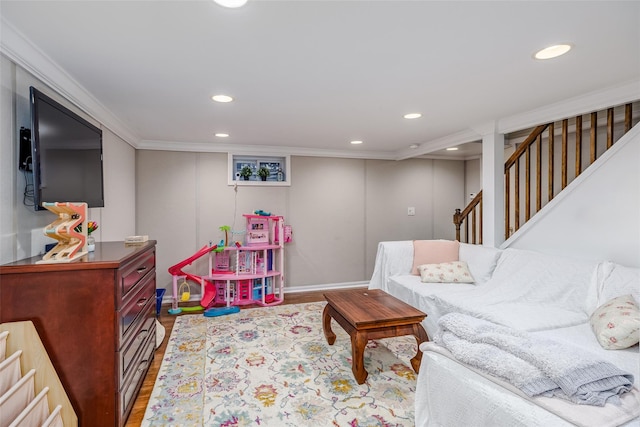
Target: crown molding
<point>260,150</point>
<point>22,52</point>
<point>439,144</point>
<point>592,101</point>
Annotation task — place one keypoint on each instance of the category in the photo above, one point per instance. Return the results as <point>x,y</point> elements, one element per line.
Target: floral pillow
<point>445,272</point>
<point>616,324</point>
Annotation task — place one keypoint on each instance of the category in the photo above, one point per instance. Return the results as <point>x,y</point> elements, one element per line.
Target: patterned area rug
<point>272,366</point>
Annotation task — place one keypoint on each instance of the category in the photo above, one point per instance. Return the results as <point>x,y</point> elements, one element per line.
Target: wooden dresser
<point>96,318</point>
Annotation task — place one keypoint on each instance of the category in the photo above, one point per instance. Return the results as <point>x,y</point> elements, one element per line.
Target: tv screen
<point>66,154</point>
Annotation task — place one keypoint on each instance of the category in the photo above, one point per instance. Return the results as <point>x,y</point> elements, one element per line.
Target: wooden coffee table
<point>367,314</point>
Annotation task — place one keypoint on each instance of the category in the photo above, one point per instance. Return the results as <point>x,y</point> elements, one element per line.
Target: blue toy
<point>221,311</point>
<point>262,213</point>
<point>220,246</point>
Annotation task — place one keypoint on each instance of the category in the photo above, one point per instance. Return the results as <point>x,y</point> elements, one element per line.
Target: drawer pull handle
<point>141,302</point>
<point>141,270</point>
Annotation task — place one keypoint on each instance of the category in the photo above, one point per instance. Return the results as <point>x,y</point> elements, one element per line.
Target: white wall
<point>435,188</point>
<point>117,218</point>
<point>339,209</point>
<point>472,178</point>
<point>598,215</point>
<point>326,207</point>
<point>8,248</point>
<point>20,225</point>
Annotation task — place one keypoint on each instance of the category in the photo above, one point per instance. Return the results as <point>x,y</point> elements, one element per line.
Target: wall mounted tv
<point>66,154</point>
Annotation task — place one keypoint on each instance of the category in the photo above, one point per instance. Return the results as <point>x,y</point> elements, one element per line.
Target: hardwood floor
<point>167,320</point>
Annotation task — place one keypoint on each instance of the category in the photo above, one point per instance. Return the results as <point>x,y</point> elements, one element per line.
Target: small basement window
<point>259,170</point>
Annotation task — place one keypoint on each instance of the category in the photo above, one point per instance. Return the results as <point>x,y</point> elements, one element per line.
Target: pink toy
<point>209,290</point>
<point>238,274</point>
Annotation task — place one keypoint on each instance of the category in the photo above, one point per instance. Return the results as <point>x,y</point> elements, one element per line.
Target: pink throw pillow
<point>433,252</point>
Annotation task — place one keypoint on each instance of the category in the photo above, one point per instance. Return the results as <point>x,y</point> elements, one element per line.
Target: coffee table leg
<point>421,336</point>
<point>358,343</point>
<point>326,326</point>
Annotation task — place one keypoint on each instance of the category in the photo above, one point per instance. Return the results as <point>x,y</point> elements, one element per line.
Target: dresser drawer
<point>143,327</point>
<point>134,307</point>
<point>130,386</point>
<point>134,272</point>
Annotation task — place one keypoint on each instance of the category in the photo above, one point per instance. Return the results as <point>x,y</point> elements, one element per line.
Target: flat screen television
<point>66,154</point>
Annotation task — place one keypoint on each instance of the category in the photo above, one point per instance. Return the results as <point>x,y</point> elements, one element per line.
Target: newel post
<point>457,220</point>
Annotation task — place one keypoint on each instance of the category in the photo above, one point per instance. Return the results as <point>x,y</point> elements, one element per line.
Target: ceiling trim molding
<point>22,52</point>
<point>445,157</point>
<point>439,144</point>
<point>592,101</point>
<point>260,150</point>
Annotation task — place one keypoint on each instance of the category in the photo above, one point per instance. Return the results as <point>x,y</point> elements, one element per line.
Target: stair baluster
<point>513,171</point>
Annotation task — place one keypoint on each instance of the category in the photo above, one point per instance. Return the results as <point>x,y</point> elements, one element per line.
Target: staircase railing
<point>471,217</point>
<point>528,187</point>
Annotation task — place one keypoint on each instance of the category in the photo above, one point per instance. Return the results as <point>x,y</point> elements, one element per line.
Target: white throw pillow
<point>616,324</point>
<point>621,281</point>
<point>481,260</point>
<point>445,272</point>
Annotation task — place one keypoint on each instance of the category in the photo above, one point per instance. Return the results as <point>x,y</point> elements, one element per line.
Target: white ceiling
<point>314,75</point>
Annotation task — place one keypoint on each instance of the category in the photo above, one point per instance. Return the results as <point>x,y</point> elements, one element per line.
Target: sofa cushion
<point>616,323</point>
<point>620,281</point>
<point>445,272</point>
<point>433,252</point>
<point>523,275</point>
<point>413,291</point>
<point>481,260</point>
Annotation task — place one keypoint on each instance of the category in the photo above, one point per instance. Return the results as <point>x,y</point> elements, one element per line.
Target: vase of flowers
<point>91,227</point>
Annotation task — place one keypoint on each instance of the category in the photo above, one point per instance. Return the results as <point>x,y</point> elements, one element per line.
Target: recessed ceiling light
<point>412,116</point>
<point>414,146</point>
<point>222,98</point>
<point>552,51</point>
<point>356,142</point>
<point>231,3</point>
<point>222,135</point>
<point>452,149</point>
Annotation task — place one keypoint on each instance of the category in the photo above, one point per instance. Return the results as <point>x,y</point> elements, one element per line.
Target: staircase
<point>31,393</point>
<point>544,163</point>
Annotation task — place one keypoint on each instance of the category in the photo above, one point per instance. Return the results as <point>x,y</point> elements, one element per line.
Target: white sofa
<point>549,296</point>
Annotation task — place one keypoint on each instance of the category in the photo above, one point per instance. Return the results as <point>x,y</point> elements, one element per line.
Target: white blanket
<point>392,258</point>
<point>535,365</point>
